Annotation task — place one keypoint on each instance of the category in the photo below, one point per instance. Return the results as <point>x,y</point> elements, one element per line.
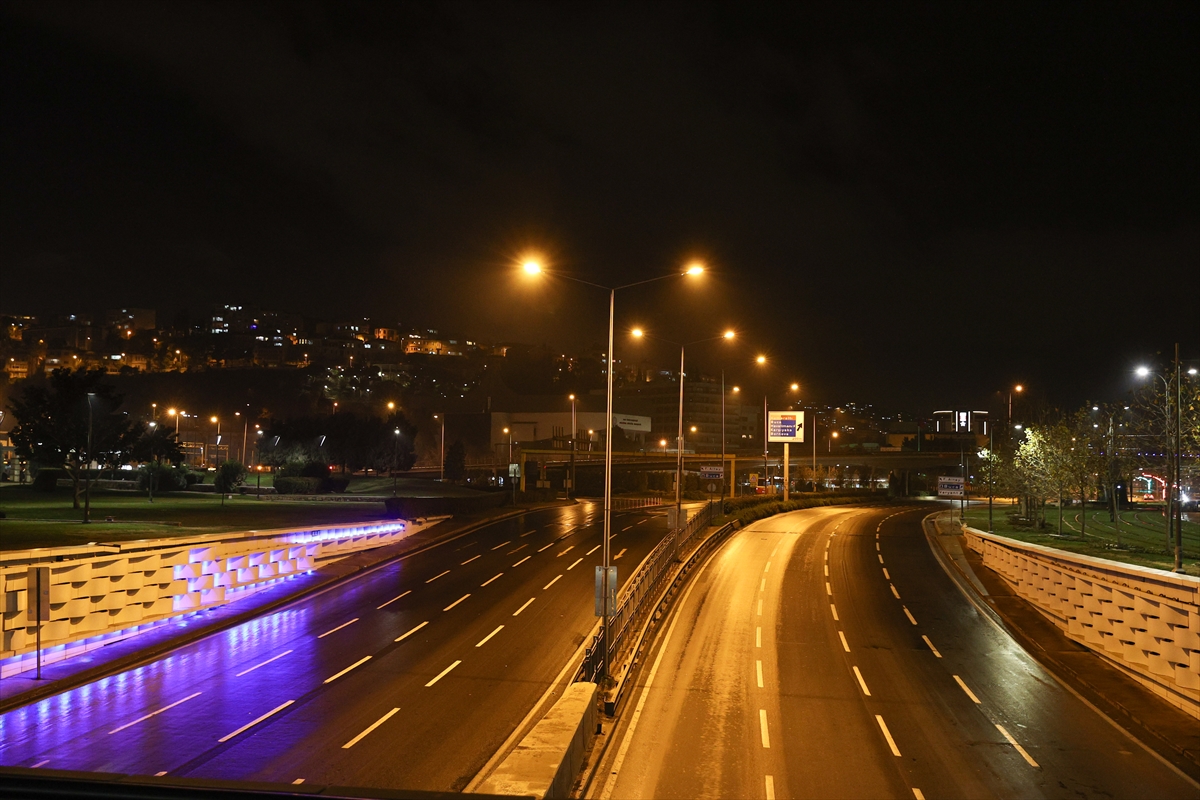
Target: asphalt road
<point>410,676</point>
<point>825,653</point>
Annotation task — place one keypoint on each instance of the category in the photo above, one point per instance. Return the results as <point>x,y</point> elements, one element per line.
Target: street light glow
<point>1018,388</point>
<point>637,333</point>
<point>795,387</point>
<point>729,334</point>
<point>1143,371</point>
<point>212,419</point>
<point>695,268</point>
<point>761,360</point>
<point>531,267</point>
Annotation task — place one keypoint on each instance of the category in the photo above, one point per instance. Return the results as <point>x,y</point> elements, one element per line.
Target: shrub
<point>297,485</point>
<point>166,477</point>
<point>335,484</point>
<point>229,475</point>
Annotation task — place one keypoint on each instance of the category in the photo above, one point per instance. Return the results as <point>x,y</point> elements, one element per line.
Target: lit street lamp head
<point>637,333</point>
<point>1143,371</point>
<point>729,334</point>
<point>531,267</point>
<point>760,360</point>
<point>695,268</point>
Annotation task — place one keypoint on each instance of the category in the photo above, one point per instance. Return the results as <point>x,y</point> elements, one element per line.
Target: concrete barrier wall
<point>100,592</point>
<point>548,760</point>
<point>1146,621</point>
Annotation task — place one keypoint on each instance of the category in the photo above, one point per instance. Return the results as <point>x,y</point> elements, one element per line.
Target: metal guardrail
<point>642,588</point>
<point>625,503</point>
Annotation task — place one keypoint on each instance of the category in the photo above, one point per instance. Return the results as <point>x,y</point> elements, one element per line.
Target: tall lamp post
<point>510,461</point>
<point>442,448</point>
<point>87,484</point>
<point>534,267</point>
<point>1174,459</point>
<point>574,429</point>
<point>217,442</point>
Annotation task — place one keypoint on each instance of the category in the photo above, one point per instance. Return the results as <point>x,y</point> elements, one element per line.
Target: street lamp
<point>217,444</point>
<point>87,486</point>
<point>441,448</point>
<point>395,458</point>
<point>510,461</point>
<point>1174,460</point>
<point>532,267</point>
<point>173,413</point>
<point>574,429</point>
<point>1018,389</point>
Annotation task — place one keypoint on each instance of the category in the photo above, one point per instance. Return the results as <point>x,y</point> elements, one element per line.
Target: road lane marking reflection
<point>469,560</point>
<point>358,663</point>
<point>861,682</point>
<point>338,628</point>
<point>627,527</point>
<point>489,580</point>
<point>574,565</point>
<point>484,640</point>
<point>373,726</point>
<point>762,724</point>
<point>435,577</point>
<point>250,725</point>
<point>887,735</point>
<point>394,599</point>
<point>908,614</point>
<point>931,647</point>
<point>154,713</point>
<point>845,645</point>
<point>967,689</point>
<point>456,602</point>
<point>404,636</point>
<point>1028,758</point>
<point>522,608</point>
<point>263,664</point>
<point>551,583</point>
<point>443,673</point>
<point>758,670</point>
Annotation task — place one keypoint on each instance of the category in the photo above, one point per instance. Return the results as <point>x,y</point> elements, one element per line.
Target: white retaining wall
<point>99,592</point>
<point>1146,621</point>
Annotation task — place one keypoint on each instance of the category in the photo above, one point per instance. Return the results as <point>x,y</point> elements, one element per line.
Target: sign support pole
<point>787,462</point>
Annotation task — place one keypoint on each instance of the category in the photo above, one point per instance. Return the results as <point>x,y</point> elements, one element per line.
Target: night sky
<point>910,204</point>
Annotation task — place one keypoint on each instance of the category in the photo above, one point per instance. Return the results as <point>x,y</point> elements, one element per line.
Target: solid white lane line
<point>967,689</point>
<point>574,565</point>
<point>1028,758</point>
<point>404,636</point>
<point>394,599</point>
<point>522,608</point>
<point>758,637</point>
<point>760,606</point>
<point>547,547</point>
<point>484,640</point>
<point>154,713</point>
<point>828,589</point>
<point>918,794</point>
<point>770,789</point>
<point>497,547</point>
<point>358,663</point>
<point>833,608</point>
<point>886,576</point>
<point>456,602</point>
<point>861,682</point>
<point>338,628</point>
<point>594,549</point>
<point>931,647</point>
<point>758,670</point>
<point>250,725</point>
<point>762,724</point>
<point>897,594</point>
<point>887,735</point>
<point>435,577</point>
<point>826,570</point>
<point>443,673</point>
<point>522,561</point>
<point>489,580</point>
<point>762,585</point>
<point>40,764</point>
<point>845,645</point>
<point>373,726</point>
<point>564,552</point>
<point>908,614</point>
<point>469,560</point>
<point>516,550</point>
<point>618,555</point>
<point>551,583</point>
<point>263,664</point>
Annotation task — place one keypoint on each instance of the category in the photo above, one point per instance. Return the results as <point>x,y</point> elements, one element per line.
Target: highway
<point>410,676</point>
<point>826,654</point>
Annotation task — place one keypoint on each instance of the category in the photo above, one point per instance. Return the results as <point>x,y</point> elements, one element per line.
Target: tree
<point>1033,472</point>
<point>229,476</point>
<point>56,423</point>
<point>456,462</point>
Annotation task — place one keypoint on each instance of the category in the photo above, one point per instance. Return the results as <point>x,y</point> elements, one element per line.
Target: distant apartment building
<point>126,322</point>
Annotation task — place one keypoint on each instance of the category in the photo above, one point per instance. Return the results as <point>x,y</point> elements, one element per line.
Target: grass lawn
<point>1143,539</point>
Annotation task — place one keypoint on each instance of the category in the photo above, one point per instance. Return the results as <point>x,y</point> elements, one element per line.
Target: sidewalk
<point>1158,725</point>
<point>22,689</point>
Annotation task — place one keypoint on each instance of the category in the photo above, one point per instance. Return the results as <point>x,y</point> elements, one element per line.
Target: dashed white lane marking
<point>394,599</point>
<point>760,606</point>
<point>522,608</point>
<point>594,549</point>
<point>547,547</point>
<point>774,550</point>
<point>758,670</point>
<point>522,561</point>
<point>574,564</point>
<point>40,764</point>
<point>758,637</point>
<point>767,568</point>
<point>154,713</point>
<point>828,589</point>
<point>358,663</point>
<point>845,644</point>
<point>918,794</point>
<point>497,547</point>
<point>443,673</point>
<point>908,614</point>
<point>250,725</point>
<point>263,664</point>
<point>435,577</point>
<point>887,735</point>
<point>1028,758</point>
<point>861,682</point>
<point>404,636</point>
<point>762,585</point>
<point>770,788</point>
<point>827,555</point>
<point>489,580</point>
<point>160,774</point>
<point>877,547</point>
<point>762,724</point>
<point>833,608</point>
<point>456,602</point>
<point>469,560</point>
<point>886,576</point>
<point>627,527</point>
<point>967,689</point>
<point>298,781</point>
<point>618,555</point>
<point>612,536</point>
<point>897,594</point>
<point>484,640</point>
<point>529,533</point>
<point>516,550</point>
<point>931,647</point>
<point>372,727</point>
<point>551,583</point>
<point>826,570</point>
<point>880,559</point>
<point>564,552</point>
<point>338,628</point>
